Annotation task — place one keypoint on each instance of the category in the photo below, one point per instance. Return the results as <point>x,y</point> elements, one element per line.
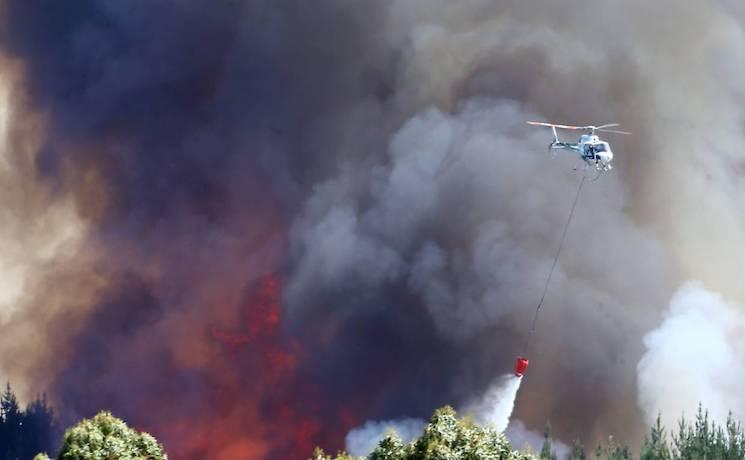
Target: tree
<point>705,440</point>
<point>319,454</point>
<point>23,433</point>
<point>599,451</point>
<point>578,451</point>
<point>735,438</point>
<point>390,448</point>
<point>12,425</point>
<point>613,451</point>
<point>40,429</point>
<point>655,445</point>
<point>546,451</point>
<point>106,437</point>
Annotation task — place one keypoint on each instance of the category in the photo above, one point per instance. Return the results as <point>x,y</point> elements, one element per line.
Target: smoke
<point>461,219</point>
<point>526,440</point>
<point>694,357</point>
<point>42,235</point>
<point>467,223</point>
<point>159,159</point>
<point>494,408</point>
<point>363,440</point>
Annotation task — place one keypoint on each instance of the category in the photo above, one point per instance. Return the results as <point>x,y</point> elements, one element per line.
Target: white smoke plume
<point>697,355</point>
<point>524,439</point>
<point>363,440</point>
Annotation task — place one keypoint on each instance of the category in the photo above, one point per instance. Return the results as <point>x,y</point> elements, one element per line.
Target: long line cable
<point>553,266</point>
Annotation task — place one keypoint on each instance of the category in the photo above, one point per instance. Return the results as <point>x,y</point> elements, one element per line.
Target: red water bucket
<point>521,365</point>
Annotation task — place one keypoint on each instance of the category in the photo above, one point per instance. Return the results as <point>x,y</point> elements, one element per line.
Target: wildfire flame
<point>260,405</point>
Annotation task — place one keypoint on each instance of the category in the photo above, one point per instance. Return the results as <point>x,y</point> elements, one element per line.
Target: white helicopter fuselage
<point>590,149</point>
<point>596,150</point>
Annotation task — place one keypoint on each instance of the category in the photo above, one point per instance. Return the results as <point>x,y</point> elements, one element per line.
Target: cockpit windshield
<point>600,148</point>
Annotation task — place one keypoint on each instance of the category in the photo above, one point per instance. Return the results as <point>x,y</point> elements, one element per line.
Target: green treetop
<point>106,437</point>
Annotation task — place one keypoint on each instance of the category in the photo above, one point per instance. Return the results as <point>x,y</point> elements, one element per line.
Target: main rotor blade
<point>540,123</point>
<point>612,131</point>
<point>609,125</point>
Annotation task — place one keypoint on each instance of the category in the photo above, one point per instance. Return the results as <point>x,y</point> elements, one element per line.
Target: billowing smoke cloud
<point>41,247</point>
<point>227,211</point>
<point>467,223</point>
<point>697,355</point>
<point>458,217</point>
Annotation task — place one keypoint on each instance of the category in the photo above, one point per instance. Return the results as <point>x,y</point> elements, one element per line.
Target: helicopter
<point>594,152</point>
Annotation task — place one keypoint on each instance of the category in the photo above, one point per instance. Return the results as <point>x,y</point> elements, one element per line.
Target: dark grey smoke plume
<point>374,157</point>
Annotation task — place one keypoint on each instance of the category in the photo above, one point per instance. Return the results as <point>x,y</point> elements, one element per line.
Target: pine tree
<point>599,451</point>
<point>735,438</point>
<point>578,451</point>
<point>620,453</point>
<point>703,445</point>
<point>613,452</point>
<point>703,439</point>
<point>681,440</point>
<point>655,445</point>
<point>11,449</point>
<point>40,429</point>
<point>546,450</point>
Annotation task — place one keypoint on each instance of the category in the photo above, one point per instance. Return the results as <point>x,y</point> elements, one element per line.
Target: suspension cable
<point>553,266</point>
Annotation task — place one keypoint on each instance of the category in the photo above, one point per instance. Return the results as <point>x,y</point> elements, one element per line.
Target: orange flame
<point>259,404</point>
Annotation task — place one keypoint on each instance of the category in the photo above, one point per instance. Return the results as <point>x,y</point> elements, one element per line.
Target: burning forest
<point>255,227</point>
